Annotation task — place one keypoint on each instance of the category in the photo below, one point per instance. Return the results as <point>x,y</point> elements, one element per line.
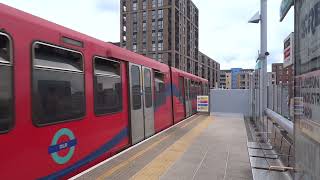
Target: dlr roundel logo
<point>57,145</point>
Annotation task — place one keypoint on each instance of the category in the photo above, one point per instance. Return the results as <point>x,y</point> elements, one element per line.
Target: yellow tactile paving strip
<point>139,154</point>
<point>131,159</point>
<point>163,161</point>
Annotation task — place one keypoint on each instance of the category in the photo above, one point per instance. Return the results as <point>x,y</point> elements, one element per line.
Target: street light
<point>262,18</point>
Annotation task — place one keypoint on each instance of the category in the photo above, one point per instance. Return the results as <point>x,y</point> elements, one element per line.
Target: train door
<point>141,103</point>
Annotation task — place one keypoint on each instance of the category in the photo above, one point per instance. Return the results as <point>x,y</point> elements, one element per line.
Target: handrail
<point>283,122</point>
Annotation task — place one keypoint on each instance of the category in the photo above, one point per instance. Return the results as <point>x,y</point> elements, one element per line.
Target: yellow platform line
<point>137,155</point>
<point>132,158</point>
<point>163,161</point>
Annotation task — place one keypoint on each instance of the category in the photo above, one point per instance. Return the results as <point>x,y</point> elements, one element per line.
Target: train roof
<point>11,14</point>
<point>186,74</point>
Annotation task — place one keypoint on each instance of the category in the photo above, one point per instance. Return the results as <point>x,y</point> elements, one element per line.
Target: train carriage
<point>69,101</point>
<point>186,87</point>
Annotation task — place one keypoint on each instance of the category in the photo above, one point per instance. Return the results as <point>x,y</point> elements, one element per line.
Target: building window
<point>124,19</point>
<point>160,57</point>
<point>6,91</point>
<point>135,27</point>
<point>160,24</point>
<point>144,26</point>
<point>154,56</point>
<point>144,4</point>
<point>153,25</point>
<point>153,46</point>
<point>134,47</point>
<point>154,37</point>
<point>144,16</point>
<point>160,36</point>
<point>144,37</point>
<point>134,17</point>
<point>58,84</point>
<point>134,6</point>
<point>144,46</point>
<point>154,15</point>
<point>154,3</point>
<point>160,46</point>
<point>160,13</point>
<point>134,37</point>
<point>160,3</point>
<point>107,86</point>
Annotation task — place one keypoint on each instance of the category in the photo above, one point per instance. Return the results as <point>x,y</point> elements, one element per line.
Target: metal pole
<point>263,50</point>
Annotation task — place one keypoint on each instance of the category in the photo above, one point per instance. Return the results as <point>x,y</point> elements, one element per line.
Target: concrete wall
<point>230,101</point>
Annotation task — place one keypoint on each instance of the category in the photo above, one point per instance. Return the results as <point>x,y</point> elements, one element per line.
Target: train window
<point>51,57</point>
<point>181,98</point>
<point>160,89</point>
<point>135,87</point>
<point>6,97</point>
<point>192,90</point>
<point>107,86</point>
<point>148,88</point>
<point>58,84</point>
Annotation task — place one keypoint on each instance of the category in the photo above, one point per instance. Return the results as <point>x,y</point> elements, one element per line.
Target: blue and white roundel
<point>54,148</point>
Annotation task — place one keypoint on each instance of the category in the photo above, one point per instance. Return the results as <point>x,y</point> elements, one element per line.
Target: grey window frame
<point>47,68</point>
<point>10,63</point>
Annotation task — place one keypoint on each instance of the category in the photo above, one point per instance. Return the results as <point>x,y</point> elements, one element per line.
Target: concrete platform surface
<point>201,147</point>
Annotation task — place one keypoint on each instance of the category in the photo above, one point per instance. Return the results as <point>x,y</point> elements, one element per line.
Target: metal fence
<point>280,99</point>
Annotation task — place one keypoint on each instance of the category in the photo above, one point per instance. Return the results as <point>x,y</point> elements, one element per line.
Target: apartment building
<point>167,31</point>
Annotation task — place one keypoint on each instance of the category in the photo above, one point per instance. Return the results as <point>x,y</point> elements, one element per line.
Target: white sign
<point>203,103</point>
<point>308,107</point>
<point>288,51</point>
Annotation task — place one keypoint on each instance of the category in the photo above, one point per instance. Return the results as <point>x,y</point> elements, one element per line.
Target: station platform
<point>200,147</point>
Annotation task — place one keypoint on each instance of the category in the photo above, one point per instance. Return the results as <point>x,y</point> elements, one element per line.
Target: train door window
<point>6,97</point>
<point>107,86</point>
<point>136,87</point>
<point>186,87</point>
<point>191,89</point>
<point>148,87</point>
<point>181,98</point>
<point>159,89</point>
<point>57,84</point>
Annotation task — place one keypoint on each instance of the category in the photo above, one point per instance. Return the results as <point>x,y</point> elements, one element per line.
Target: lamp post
<point>262,18</point>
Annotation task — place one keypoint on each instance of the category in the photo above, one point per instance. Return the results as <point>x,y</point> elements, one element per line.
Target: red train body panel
<point>27,149</point>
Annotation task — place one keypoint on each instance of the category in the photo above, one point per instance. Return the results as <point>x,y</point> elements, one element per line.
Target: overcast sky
<point>225,34</point>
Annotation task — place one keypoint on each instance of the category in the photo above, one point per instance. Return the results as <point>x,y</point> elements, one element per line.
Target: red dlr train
<point>69,101</point>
